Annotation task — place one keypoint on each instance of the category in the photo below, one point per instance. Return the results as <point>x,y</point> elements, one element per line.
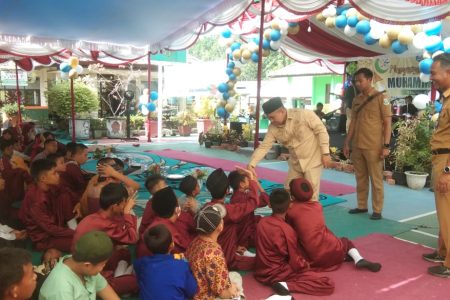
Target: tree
<point>207,48</point>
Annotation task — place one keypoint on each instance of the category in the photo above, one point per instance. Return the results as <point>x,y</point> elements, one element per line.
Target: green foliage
<point>413,145</point>
<point>59,100</point>
<point>275,61</point>
<point>11,108</point>
<point>207,48</point>
<point>98,124</point>
<point>185,118</point>
<point>137,122</point>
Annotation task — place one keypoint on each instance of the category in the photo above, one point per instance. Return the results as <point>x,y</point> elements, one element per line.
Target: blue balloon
<point>230,57</point>
<point>235,46</point>
<point>425,65</point>
<point>398,48</point>
<point>275,35</point>
<point>293,24</point>
<point>231,65</point>
<point>226,33</point>
<point>65,67</point>
<point>229,71</point>
<point>433,44</point>
<point>232,77</point>
<point>369,40</point>
<point>225,96</point>
<point>254,57</point>
<point>140,106</point>
<point>363,27</point>
<point>352,21</point>
<point>256,40</point>
<point>341,11</point>
<point>437,106</point>
<point>151,106</point>
<point>223,87</point>
<point>153,96</point>
<point>221,112</point>
<point>266,44</point>
<point>227,114</point>
<point>341,21</point>
<point>433,28</point>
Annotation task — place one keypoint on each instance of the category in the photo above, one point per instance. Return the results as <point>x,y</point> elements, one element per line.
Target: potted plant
<point>185,121</point>
<point>412,151</point>
<point>86,102</point>
<point>98,128</point>
<point>204,110</point>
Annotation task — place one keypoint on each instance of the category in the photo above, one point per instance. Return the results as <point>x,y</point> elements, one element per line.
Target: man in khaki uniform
<point>440,148</point>
<point>306,137</point>
<point>370,133</point>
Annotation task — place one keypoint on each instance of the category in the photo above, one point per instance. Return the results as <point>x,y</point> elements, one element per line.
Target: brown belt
<point>440,151</point>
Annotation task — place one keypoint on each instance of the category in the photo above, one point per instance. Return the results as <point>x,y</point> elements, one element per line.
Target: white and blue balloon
<point>147,102</point>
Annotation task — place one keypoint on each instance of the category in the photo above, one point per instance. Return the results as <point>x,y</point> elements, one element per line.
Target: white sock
<point>354,253</point>
<point>278,297</point>
<point>284,284</point>
<point>129,270</point>
<point>121,268</point>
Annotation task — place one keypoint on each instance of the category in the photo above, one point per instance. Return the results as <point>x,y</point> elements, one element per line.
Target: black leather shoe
<point>440,271</point>
<point>357,211</point>
<point>433,257</point>
<point>375,216</point>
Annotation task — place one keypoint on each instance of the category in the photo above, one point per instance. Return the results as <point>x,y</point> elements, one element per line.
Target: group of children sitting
<point>183,251</point>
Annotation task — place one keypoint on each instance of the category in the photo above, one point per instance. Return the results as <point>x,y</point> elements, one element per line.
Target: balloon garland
<point>241,53</point>
<point>425,37</point>
<point>70,69</point>
<point>147,102</point>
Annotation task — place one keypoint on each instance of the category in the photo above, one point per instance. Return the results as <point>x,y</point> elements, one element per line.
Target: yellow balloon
<point>293,30</point>
<point>73,74</point>
<point>267,34</point>
<point>229,107</point>
<point>236,70</point>
<point>361,17</point>
<point>237,54</point>
<point>393,32</point>
<point>320,17</point>
<point>230,84</point>
<point>351,12</point>
<point>246,54</point>
<point>330,22</point>
<point>406,36</point>
<point>231,92</point>
<point>275,25</point>
<point>221,103</point>
<point>73,61</point>
<point>416,28</point>
<point>266,52</point>
<point>385,42</point>
<point>229,42</point>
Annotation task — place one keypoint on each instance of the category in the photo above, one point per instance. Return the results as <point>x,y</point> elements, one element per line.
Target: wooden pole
<point>72,96</point>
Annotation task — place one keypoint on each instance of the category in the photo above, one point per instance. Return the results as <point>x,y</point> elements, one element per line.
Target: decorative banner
<point>399,76</point>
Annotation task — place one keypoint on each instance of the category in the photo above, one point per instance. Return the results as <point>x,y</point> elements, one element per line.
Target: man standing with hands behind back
<point>440,149</point>
<point>306,138</point>
<point>370,133</point>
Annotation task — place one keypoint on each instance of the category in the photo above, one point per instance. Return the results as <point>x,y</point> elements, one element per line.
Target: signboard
<point>399,76</point>
<point>8,78</point>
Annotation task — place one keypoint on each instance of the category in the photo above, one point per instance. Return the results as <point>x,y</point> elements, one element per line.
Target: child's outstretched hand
<point>248,173</point>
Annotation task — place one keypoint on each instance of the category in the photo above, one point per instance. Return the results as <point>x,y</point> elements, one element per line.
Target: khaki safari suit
<point>441,140</point>
<point>307,139</point>
<point>367,144</point>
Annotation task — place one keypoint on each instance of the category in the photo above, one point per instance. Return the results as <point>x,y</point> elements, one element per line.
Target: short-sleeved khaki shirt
<point>441,136</point>
<point>368,121</point>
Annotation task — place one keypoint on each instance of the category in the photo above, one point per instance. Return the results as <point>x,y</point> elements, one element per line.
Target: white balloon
<point>435,97</point>
<point>79,69</point>
<point>326,12</point>
<point>284,32</point>
<point>420,101</point>
<point>424,77</point>
<point>332,11</point>
<point>275,45</point>
<point>64,75</point>
<point>144,110</point>
<point>375,24</point>
<point>231,101</point>
<point>253,47</point>
<point>437,53</point>
<point>243,61</point>
<point>446,43</point>
<point>143,99</point>
<point>426,55</point>
<point>419,40</point>
<point>349,31</point>
<point>376,33</point>
<point>283,25</point>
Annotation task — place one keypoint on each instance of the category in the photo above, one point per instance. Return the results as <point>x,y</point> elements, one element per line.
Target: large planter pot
<point>116,128</point>
<point>203,125</point>
<point>184,130</point>
<point>399,177</point>
<point>82,128</point>
<point>153,128</point>
<point>416,180</point>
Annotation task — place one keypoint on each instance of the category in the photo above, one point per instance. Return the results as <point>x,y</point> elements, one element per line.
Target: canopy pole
<point>19,111</point>
<point>72,96</point>
<point>258,80</point>
<point>149,80</point>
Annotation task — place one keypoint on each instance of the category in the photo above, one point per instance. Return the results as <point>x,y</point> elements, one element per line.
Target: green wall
<point>319,87</point>
<point>173,56</point>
